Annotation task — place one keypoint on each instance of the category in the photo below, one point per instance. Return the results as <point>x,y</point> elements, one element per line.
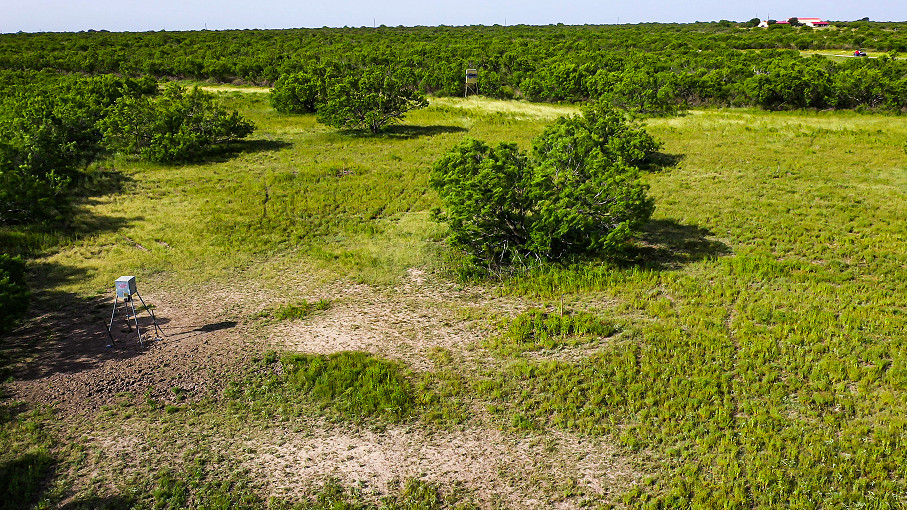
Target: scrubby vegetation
<point>648,67</point>
<point>367,97</point>
<point>179,125</point>
<point>746,351</point>
<point>578,192</point>
<point>52,127</point>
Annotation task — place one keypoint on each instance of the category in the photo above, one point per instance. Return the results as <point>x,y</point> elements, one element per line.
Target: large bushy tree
<point>369,99</point>
<point>577,191</point>
<point>298,92</point>
<point>179,125</point>
<point>48,131</point>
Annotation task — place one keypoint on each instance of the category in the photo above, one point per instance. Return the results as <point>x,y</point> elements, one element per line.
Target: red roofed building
<point>813,22</point>
<point>809,22</point>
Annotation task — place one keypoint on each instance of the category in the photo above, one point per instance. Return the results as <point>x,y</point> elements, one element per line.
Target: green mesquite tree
<point>369,99</point>
<point>177,126</point>
<point>298,92</point>
<point>578,191</point>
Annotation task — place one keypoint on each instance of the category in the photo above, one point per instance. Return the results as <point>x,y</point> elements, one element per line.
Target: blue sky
<point>131,15</point>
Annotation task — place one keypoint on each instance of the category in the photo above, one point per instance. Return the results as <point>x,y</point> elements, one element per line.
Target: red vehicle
<point>859,53</point>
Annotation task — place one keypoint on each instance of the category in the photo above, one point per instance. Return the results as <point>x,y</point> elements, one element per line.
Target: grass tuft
<point>536,330</point>
<point>294,311</point>
<point>354,383</point>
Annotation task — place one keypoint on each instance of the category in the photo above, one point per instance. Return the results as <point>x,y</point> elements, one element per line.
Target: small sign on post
<point>472,81</point>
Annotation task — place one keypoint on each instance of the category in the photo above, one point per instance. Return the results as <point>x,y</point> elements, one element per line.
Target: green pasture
<point>841,55</point>
<point>754,345</point>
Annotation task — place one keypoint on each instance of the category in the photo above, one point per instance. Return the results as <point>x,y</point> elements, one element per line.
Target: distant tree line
<point>649,68</point>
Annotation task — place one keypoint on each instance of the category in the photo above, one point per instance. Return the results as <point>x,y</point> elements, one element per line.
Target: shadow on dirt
<point>183,332</point>
<point>67,334</point>
<point>667,244</point>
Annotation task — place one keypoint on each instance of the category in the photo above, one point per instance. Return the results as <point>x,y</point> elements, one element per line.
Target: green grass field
<point>754,355</point>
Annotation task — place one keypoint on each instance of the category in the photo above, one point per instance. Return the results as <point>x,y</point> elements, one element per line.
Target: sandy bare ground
<point>404,323</point>
<point>496,468</point>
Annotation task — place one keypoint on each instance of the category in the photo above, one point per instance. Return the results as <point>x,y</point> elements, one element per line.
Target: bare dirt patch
<point>404,323</point>
<point>555,470</point>
<point>212,338</point>
<point>68,366</point>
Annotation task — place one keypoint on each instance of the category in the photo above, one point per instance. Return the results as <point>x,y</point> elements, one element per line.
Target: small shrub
<point>297,93</point>
<point>369,99</point>
<point>178,126</point>
<point>577,192</point>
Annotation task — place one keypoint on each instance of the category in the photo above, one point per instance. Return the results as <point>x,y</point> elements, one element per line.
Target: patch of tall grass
<point>537,330</point>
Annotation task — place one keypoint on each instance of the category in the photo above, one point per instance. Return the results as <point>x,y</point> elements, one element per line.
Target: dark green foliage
<point>649,66</point>
<point>578,192</point>
<point>354,383</point>
<point>48,131</point>
<point>488,197</point>
<point>13,291</point>
<point>27,196</point>
<point>369,99</point>
<point>22,479</point>
<point>298,92</point>
<point>179,125</point>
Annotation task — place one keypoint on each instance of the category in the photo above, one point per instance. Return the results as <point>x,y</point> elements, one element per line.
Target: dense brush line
<point>650,67</point>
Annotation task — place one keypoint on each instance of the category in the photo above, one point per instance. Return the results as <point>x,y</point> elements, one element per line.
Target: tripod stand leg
<point>116,301</point>
<point>136,319</point>
<point>153,318</point>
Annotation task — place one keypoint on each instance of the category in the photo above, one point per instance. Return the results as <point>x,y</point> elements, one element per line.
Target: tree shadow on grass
<point>224,152</point>
<point>76,220</point>
<point>405,131</point>
<point>667,244</point>
<point>23,479</point>
<point>660,161</point>
<point>61,332</point>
